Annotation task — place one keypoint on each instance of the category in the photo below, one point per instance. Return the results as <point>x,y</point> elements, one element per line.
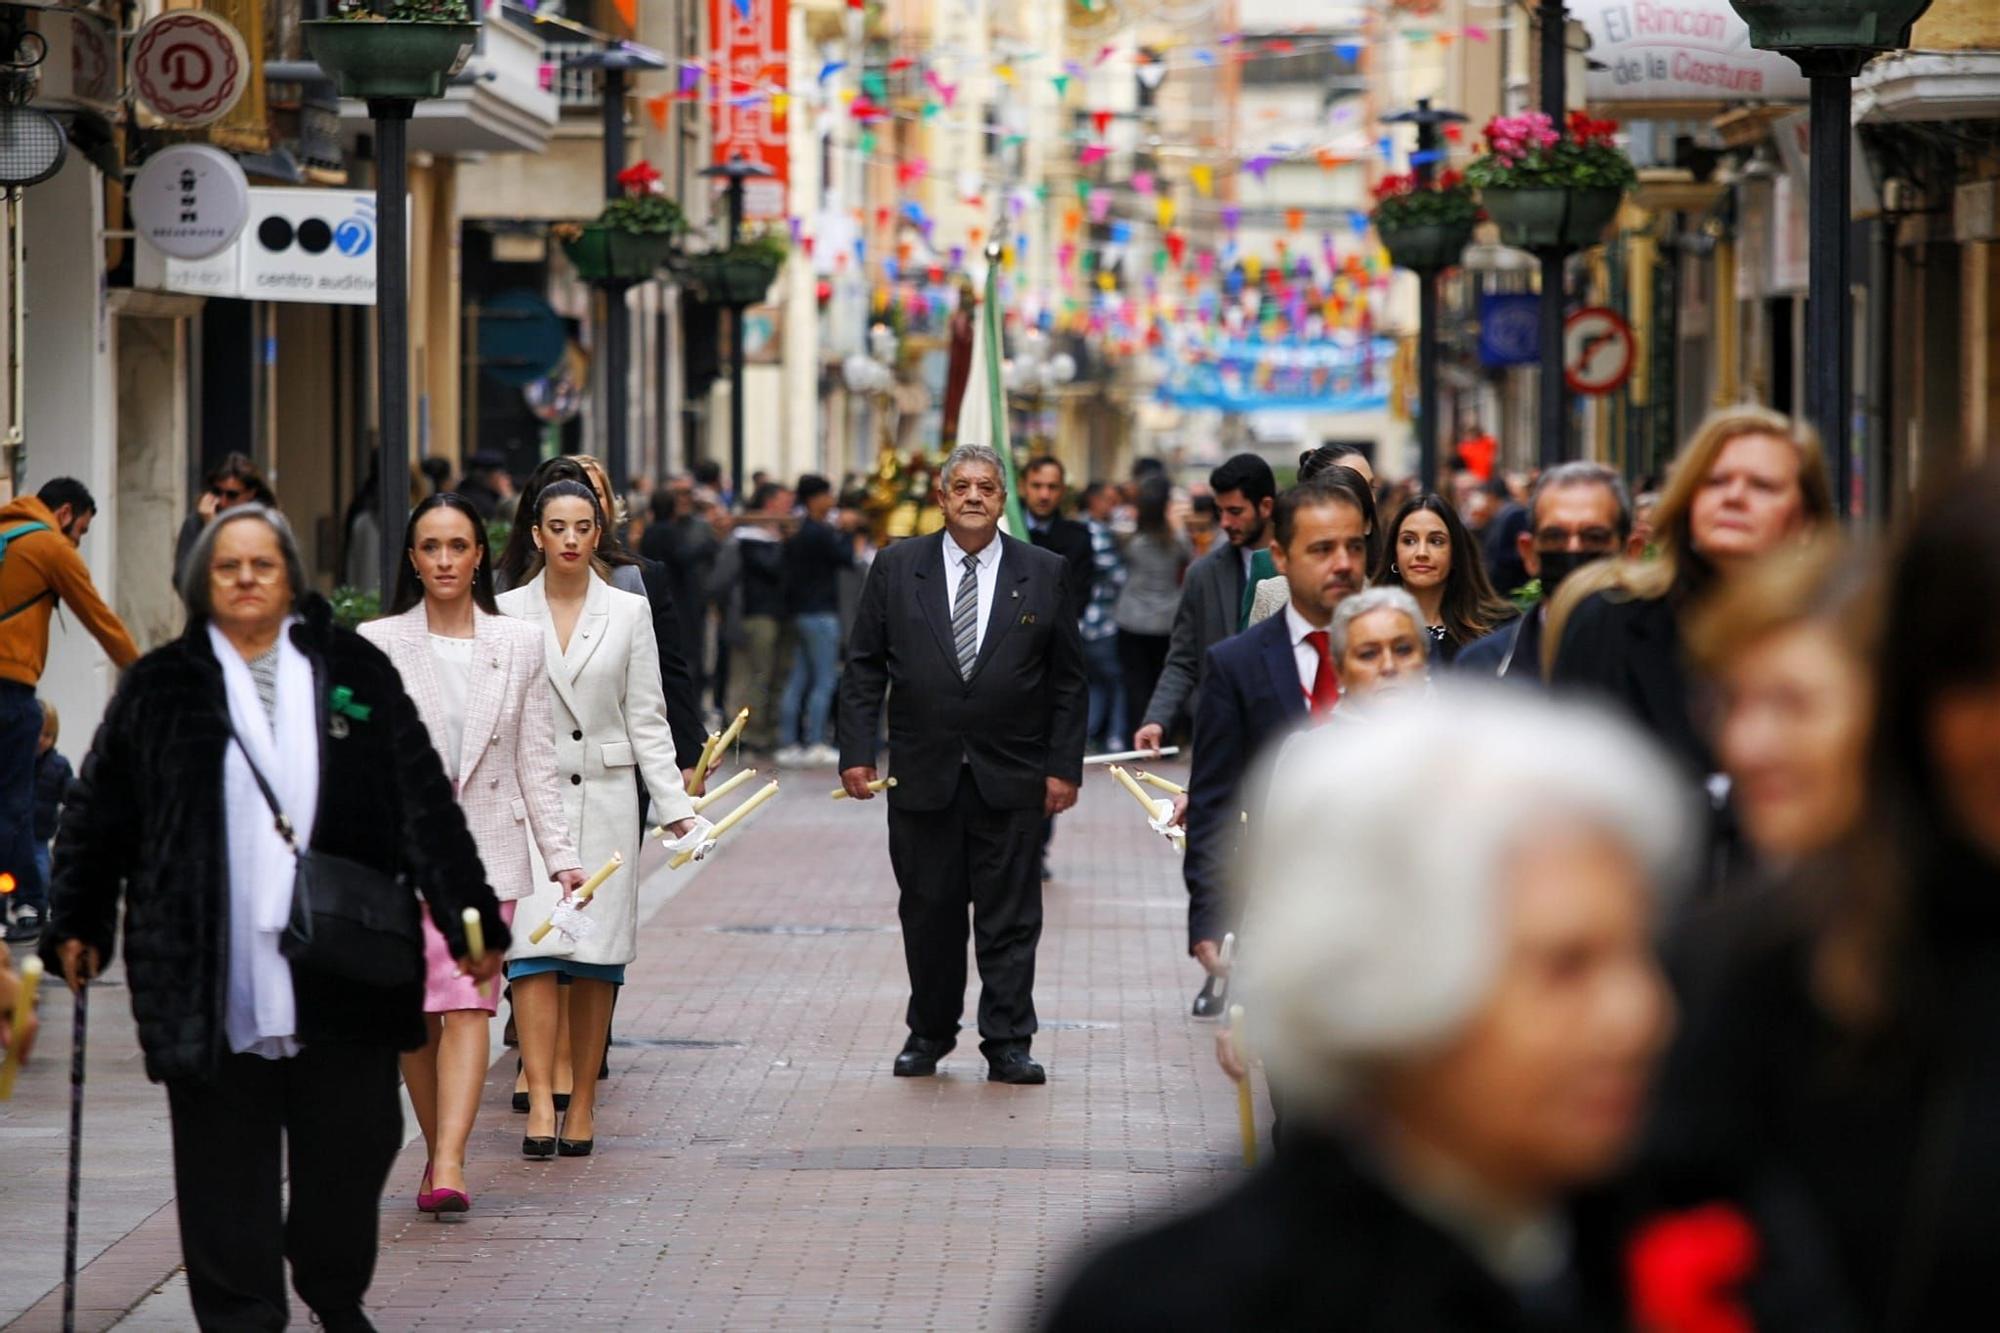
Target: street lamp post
<point>1830,40</point>
<point>1429,125</point>
<point>1554,20</point>
<point>735,171</point>
<point>392,330</point>
<point>615,63</point>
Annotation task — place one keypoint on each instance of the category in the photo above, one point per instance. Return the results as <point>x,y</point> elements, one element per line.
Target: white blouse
<point>453,658</point>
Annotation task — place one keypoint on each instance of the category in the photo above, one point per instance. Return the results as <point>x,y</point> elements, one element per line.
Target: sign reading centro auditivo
<point>314,246</point>
<point>1680,51</point>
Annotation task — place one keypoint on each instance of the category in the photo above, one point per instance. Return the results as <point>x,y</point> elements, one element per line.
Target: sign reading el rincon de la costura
<point>1680,51</point>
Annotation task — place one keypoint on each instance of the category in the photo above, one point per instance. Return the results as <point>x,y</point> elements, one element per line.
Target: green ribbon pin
<point>342,701</point>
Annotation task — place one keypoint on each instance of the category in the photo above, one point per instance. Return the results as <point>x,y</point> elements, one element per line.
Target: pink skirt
<point>445,988</point>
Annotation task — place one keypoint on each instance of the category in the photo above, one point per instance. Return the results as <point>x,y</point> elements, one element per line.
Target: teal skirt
<point>535,967</point>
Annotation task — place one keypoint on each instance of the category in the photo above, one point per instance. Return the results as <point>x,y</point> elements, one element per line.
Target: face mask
<point>1559,565</point>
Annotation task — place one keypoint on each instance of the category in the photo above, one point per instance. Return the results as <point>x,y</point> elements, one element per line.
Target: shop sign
<point>749,72</point>
<point>190,201</point>
<point>189,67</point>
<point>81,66</point>
<point>310,245</point>
<point>304,246</point>
<point>1680,51</point>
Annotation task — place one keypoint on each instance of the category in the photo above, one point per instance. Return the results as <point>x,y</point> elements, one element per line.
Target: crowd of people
<point>1684,1024</point>
<point>1604,891</point>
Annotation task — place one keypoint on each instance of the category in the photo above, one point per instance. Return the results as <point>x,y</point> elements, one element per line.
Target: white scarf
<point>262,1010</point>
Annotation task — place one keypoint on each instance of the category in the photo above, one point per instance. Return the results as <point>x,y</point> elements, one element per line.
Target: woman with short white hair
<point>1463,1029</point>
<point>1378,642</point>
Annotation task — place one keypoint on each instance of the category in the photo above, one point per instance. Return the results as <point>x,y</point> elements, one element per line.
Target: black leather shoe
<point>574,1147</point>
<point>1214,998</point>
<point>1014,1066</point>
<point>538,1149</point>
<point>920,1055</point>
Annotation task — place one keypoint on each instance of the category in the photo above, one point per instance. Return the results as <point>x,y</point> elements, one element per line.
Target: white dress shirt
<point>989,579</point>
<point>1303,654</point>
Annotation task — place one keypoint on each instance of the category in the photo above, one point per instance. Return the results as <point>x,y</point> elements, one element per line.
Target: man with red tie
<point>1261,685</point>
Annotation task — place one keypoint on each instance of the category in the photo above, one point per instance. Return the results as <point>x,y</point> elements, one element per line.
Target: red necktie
<point>1326,685</point>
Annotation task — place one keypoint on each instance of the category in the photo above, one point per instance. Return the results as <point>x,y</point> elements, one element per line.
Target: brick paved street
<point>757,1164</point>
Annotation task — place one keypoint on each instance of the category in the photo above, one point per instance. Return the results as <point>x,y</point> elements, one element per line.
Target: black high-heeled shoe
<point>575,1147</point>
<point>538,1149</point>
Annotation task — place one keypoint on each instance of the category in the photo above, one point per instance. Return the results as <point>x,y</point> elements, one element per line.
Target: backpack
<point>6,540</point>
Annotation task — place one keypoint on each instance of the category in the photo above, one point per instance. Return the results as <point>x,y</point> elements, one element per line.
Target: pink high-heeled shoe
<point>441,1201</point>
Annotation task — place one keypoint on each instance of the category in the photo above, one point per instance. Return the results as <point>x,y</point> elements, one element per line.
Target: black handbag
<point>348,920</point>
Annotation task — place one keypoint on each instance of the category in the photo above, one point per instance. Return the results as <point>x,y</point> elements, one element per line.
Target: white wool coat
<point>610,722</point>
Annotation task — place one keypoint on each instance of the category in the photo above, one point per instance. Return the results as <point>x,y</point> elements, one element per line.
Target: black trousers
<point>946,860</point>
<point>333,1111</point>
<point>1142,657</point>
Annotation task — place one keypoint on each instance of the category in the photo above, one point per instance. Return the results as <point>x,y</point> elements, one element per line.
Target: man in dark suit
<point>1211,606</point>
<point>1579,512</point>
<point>1042,484</point>
<point>1272,679</point>
<point>968,633</point>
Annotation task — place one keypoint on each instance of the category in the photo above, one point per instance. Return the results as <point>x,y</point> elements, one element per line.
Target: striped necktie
<point>965,618</point>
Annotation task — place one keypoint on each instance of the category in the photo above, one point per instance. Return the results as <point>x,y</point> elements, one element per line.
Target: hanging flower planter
<point>1830,36</point>
<point>741,275</point>
<point>634,237</point>
<point>1434,245</point>
<point>1424,225</point>
<point>600,253</point>
<point>1532,219</point>
<point>409,50</point>
<point>1548,189</point>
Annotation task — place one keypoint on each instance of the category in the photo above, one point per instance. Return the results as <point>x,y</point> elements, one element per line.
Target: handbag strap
<point>279,820</point>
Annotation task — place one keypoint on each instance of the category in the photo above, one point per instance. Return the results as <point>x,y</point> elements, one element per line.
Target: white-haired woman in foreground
<point>1463,1029</point>
<point>1379,643</point>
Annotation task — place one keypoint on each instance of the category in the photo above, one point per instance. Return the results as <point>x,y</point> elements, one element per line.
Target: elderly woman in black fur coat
<point>257,1048</point>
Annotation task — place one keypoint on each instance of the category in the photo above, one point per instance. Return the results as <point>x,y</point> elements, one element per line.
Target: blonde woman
<point>477,680</point>
<point>1749,481</point>
<point>611,723</point>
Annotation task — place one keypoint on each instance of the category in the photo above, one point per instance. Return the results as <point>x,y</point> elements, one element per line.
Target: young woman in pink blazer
<point>478,681</point>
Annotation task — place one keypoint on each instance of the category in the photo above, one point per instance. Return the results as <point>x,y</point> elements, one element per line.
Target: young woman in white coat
<point>480,686</point>
<point>603,675</point>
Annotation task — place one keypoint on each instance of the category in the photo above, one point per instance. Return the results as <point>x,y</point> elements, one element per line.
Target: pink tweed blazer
<point>507,782</point>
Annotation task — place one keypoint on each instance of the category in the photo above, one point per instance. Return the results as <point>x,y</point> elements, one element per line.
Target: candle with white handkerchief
<point>1159,814</point>
<point>568,916</point>
<point>728,822</point>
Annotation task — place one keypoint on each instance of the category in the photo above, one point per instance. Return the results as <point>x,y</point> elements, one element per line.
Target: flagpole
<point>996,389</point>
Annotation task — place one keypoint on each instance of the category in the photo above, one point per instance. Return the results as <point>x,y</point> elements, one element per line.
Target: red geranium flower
<point>639,178</point>
<point>1687,1269</point>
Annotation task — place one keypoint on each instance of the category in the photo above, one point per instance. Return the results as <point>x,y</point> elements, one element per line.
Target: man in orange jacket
<point>39,566</point>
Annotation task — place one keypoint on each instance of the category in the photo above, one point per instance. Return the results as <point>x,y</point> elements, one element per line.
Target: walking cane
<point>75,1154</point>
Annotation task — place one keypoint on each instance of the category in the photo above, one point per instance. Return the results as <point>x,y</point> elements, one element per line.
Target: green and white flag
<point>982,419</point>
